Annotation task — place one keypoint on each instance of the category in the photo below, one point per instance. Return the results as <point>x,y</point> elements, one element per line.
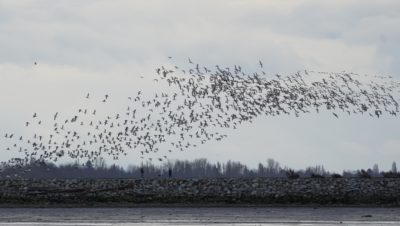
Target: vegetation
<point>199,168</point>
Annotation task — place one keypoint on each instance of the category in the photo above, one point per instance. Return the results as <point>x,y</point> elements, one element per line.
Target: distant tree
<point>335,175</point>
<point>375,170</point>
<point>261,170</point>
<point>291,174</point>
<point>394,167</point>
<point>89,164</point>
<point>314,171</point>
<point>100,163</point>
<point>391,174</point>
<point>370,172</point>
<point>347,173</point>
<point>273,167</point>
<point>313,175</point>
<point>234,169</point>
<point>364,174</point>
<point>198,168</point>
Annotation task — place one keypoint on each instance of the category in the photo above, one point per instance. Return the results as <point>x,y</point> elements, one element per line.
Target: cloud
<point>288,36</point>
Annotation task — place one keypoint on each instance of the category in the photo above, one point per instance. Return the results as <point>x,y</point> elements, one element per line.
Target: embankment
<point>265,191</point>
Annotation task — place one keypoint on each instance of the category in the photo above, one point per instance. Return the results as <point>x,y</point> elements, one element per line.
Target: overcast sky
<point>105,46</point>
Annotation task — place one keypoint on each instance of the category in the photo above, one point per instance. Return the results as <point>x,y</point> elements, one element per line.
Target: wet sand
<point>201,216</point>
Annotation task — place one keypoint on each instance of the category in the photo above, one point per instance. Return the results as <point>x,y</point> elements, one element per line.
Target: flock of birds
<point>201,104</point>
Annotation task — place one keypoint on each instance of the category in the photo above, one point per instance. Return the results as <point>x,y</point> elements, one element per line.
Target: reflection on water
<point>238,216</point>
<point>198,224</point>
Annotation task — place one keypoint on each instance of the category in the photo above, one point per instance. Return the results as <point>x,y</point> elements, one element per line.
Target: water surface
<point>220,216</point>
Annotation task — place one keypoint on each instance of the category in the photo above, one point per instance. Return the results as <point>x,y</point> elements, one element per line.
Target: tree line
<point>198,168</point>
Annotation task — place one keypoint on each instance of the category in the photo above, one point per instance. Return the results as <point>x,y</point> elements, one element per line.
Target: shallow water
<point>200,216</point>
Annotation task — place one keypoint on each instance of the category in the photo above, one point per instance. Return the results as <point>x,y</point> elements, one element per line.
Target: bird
<point>204,103</point>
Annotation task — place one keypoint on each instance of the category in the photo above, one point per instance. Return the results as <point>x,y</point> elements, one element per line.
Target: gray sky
<point>104,46</point>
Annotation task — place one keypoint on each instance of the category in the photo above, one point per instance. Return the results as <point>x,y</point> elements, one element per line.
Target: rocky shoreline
<point>207,192</point>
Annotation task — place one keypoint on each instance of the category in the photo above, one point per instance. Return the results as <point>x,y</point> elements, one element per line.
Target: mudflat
<point>201,216</point>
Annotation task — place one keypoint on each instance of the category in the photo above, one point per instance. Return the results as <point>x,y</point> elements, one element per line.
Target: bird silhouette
<point>201,106</point>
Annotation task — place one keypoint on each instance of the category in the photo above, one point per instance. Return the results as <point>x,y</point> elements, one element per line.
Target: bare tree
<point>394,167</point>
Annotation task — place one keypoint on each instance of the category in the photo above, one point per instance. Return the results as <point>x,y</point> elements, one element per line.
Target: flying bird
<point>201,105</point>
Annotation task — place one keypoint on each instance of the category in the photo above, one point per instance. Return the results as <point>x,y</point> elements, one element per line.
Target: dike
<point>216,191</point>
